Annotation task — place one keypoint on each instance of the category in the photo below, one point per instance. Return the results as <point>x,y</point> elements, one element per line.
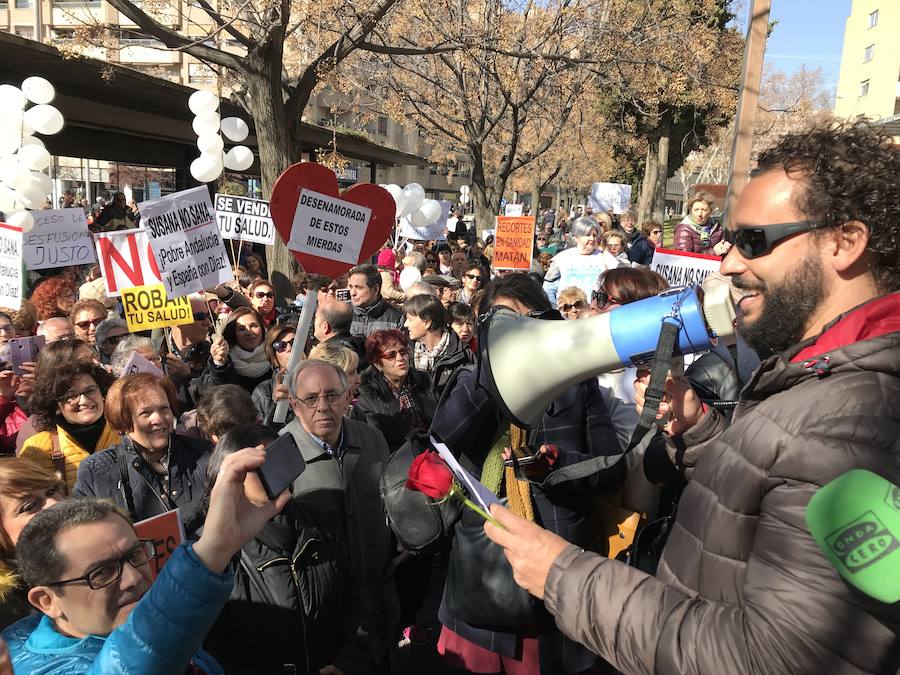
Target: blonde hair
<point>337,355</point>
<point>603,220</point>
<point>20,477</point>
<point>570,295</point>
<point>611,234</point>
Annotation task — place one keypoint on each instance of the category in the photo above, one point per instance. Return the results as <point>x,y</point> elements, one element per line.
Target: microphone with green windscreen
<point>855,519</point>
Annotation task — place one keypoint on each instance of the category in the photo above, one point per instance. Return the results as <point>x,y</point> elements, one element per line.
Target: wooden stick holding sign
<point>297,353</point>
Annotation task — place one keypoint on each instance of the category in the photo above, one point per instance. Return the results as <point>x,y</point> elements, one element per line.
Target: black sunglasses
<point>281,346</point>
<point>264,294</point>
<point>754,241</point>
<point>578,304</point>
<point>201,316</point>
<point>604,299</point>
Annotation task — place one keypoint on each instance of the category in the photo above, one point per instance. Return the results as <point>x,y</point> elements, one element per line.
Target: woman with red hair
<point>54,297</point>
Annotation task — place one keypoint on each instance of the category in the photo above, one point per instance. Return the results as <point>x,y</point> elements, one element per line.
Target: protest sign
<point>683,269</point>
<point>328,227</point>
<point>186,241</point>
<point>245,219</point>
<point>606,196</point>
<point>166,532</point>
<point>433,230</point>
<point>513,243</point>
<point>147,307</point>
<point>126,259</point>
<point>138,364</point>
<point>513,210</point>
<point>58,238</point>
<point>10,266</point>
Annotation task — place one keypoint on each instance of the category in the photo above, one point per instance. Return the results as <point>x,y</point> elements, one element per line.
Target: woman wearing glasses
<point>573,303</point>
<point>278,345</point>
<point>109,334</point>
<point>473,280</point>
<point>262,299</point>
<point>644,243</point>
<point>580,265</point>
<point>86,316</point>
<point>238,356</point>
<point>68,407</point>
<point>393,398</point>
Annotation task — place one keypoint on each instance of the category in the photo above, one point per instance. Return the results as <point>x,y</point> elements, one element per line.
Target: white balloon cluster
<point>411,202</point>
<point>207,125</point>
<point>23,157</point>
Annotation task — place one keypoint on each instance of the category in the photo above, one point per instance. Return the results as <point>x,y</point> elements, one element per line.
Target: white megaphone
<point>528,363</point>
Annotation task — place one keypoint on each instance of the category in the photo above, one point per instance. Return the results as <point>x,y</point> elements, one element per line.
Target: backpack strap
<point>125,481</point>
<point>59,462</point>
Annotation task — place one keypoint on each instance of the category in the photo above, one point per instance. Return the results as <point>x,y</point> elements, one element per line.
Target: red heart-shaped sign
<point>318,178</point>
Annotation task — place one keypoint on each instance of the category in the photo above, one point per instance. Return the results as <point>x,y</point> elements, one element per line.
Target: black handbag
<point>480,587</point>
<point>416,519</point>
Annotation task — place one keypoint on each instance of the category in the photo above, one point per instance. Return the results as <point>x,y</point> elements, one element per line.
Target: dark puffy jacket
<point>687,237</point>
<point>455,356</point>
<point>379,408</point>
<point>295,601</point>
<point>640,249</point>
<point>380,316</point>
<point>742,586</point>
<point>100,475</point>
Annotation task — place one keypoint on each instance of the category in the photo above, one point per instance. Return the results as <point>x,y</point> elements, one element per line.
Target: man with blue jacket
<point>88,575</point>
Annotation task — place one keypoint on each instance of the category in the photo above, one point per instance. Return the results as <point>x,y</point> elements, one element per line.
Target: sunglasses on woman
<point>568,307</point>
<point>281,346</point>
<point>473,277</point>
<point>87,323</point>
<point>264,294</point>
<point>604,299</point>
<point>394,353</point>
<point>754,241</point>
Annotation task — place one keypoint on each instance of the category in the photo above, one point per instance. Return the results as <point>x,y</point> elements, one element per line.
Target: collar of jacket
<point>45,639</point>
<point>373,311</point>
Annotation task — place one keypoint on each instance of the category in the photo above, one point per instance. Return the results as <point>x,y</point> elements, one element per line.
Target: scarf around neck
<point>250,364</point>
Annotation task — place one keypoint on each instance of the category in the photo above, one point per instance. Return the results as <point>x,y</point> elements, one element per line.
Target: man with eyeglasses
<point>344,461</point>
<point>56,329</point>
<point>89,576</point>
<point>185,351</point>
<point>742,586</point>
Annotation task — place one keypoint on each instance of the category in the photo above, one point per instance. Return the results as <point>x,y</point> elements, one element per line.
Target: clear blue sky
<point>808,32</point>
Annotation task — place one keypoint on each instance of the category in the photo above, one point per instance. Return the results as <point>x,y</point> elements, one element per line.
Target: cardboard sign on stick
<point>10,266</point>
<point>683,269</point>
<point>513,243</point>
<point>147,307</point>
<point>186,241</point>
<point>328,227</point>
<point>606,196</point>
<point>59,238</point>
<point>138,364</point>
<point>126,260</point>
<point>166,532</point>
<point>245,219</point>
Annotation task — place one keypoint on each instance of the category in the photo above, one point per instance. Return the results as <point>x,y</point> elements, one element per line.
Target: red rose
<point>430,475</point>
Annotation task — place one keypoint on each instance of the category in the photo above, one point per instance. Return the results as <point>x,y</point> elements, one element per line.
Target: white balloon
<point>10,140</point>
<point>35,157</point>
<point>418,219</point>
<point>415,195</point>
<point>239,158</point>
<point>7,199</point>
<point>202,102</point>
<point>43,180</point>
<point>9,167</point>
<point>22,218</point>
<point>32,140</point>
<point>21,178</point>
<point>431,209</point>
<point>409,276</point>
<point>206,168</point>
<point>235,129</point>
<point>11,97</point>
<point>210,144</point>
<point>45,119</point>
<point>38,90</point>
<point>397,193</point>
<point>33,198</point>
<point>207,123</point>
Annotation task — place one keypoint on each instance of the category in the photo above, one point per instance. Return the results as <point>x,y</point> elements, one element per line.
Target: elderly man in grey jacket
<point>344,461</point>
<point>742,586</point>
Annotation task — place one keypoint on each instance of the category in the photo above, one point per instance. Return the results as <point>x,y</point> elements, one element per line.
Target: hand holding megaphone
<point>681,406</point>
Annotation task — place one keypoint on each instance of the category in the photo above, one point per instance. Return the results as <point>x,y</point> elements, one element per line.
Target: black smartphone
<point>532,458</point>
<point>282,466</point>
<point>23,350</point>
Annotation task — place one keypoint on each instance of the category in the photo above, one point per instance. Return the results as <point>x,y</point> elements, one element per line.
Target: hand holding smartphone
<point>24,350</point>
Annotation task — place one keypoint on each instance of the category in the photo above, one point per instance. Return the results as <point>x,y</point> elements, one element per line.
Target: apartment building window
<point>199,73</point>
<point>76,3</point>
<point>4,4</point>
<point>130,37</point>
<point>25,32</point>
<point>22,4</point>
<point>870,53</point>
<point>873,19</point>
<point>382,125</point>
<point>863,87</point>
<point>62,34</point>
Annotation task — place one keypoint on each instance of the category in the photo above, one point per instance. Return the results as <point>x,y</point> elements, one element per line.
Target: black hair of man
<point>519,287</point>
<point>372,275</point>
<point>429,309</point>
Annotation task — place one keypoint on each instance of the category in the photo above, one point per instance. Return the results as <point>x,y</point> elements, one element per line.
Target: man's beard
<point>787,308</point>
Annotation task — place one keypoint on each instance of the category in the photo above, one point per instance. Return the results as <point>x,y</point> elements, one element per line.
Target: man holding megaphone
<point>742,586</point>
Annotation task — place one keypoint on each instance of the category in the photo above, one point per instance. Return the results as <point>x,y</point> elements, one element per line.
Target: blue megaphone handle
<point>635,327</point>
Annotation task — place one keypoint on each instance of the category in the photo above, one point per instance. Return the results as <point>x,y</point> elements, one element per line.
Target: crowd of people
<point>722,575</point>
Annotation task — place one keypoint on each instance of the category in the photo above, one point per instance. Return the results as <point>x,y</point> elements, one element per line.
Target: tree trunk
<point>485,198</point>
<point>279,147</point>
<point>648,183</point>
<point>658,209</point>
<point>536,197</point>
